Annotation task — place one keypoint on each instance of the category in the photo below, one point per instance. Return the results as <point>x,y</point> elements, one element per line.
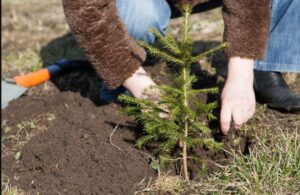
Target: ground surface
<point>60,139</point>
<point>63,141</point>
<point>70,152</point>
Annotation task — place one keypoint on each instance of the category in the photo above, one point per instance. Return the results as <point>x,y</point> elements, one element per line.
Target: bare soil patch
<point>73,155</point>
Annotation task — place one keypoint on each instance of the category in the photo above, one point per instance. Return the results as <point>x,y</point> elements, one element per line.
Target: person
<point>106,30</point>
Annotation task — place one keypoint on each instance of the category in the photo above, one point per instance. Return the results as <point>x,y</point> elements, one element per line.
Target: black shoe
<point>271,89</point>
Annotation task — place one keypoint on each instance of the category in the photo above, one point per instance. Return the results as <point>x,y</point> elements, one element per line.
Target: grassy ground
<point>271,167</point>
<point>34,33</point>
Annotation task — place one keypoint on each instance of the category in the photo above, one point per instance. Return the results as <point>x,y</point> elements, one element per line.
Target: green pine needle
<point>168,42</point>
<point>144,140</point>
<point>161,54</point>
<point>204,91</point>
<point>210,51</point>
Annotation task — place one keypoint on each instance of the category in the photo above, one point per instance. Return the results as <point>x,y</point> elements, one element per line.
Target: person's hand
<point>138,83</point>
<point>238,99</point>
<point>142,86</point>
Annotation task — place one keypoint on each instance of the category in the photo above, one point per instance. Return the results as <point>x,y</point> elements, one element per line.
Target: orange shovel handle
<point>33,79</point>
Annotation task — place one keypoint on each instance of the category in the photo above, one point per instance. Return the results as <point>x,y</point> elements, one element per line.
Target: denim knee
<point>141,15</point>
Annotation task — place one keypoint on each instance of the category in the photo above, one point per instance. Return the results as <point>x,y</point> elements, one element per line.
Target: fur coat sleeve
<point>114,54</point>
<point>104,39</point>
<point>246,27</point>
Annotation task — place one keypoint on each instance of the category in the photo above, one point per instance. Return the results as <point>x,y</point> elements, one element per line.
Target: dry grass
<point>7,189</point>
<point>165,185</point>
<point>271,167</point>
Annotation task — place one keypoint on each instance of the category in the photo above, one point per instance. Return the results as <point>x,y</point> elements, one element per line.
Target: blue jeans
<point>283,51</point>
<point>141,15</point>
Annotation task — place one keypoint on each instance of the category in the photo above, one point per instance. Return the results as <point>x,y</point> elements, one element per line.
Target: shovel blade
<point>10,92</point>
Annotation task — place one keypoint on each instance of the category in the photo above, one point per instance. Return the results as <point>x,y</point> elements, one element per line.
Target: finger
<point>249,115</point>
<point>237,126</point>
<point>239,117</point>
<point>251,112</point>
<point>225,119</point>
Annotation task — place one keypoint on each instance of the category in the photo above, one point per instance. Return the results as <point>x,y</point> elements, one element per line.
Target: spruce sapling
<point>177,103</point>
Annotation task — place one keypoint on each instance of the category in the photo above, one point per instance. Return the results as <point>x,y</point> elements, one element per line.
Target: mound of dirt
<point>73,154</point>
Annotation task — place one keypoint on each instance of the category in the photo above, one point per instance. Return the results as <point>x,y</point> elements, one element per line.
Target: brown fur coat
<point>115,55</point>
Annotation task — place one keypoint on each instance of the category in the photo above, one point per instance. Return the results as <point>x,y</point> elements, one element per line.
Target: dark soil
<point>68,151</point>
<point>62,131</point>
<point>74,155</point>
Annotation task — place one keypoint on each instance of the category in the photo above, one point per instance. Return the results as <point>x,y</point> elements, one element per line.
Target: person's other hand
<point>238,99</point>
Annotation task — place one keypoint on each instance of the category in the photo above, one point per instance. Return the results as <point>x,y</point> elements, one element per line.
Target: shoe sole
<point>284,109</point>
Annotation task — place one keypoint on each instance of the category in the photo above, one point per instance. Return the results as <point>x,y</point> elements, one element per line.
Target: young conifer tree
<point>178,103</point>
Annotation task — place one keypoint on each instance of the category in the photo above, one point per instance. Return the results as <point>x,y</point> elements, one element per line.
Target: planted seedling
<point>171,118</point>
